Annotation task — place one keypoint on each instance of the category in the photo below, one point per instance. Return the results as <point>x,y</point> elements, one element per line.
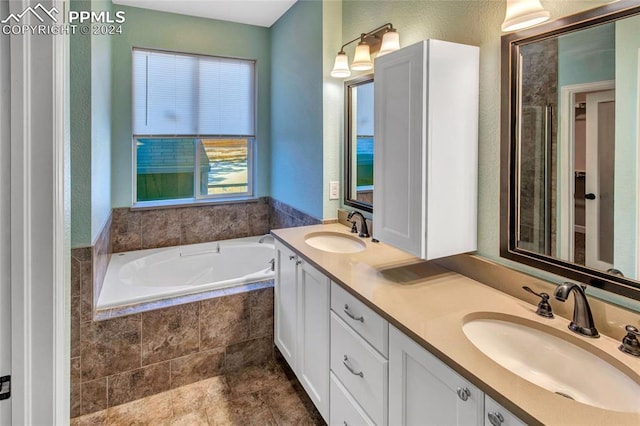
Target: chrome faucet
<point>582,319</point>
<point>364,231</point>
<point>264,237</point>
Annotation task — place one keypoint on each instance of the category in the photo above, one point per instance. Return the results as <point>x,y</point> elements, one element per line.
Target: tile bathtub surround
<point>165,227</point>
<point>132,357</point>
<point>101,254</point>
<point>285,216</point>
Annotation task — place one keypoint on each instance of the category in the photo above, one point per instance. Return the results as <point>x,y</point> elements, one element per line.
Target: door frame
<point>40,280</point>
<point>638,171</point>
<point>566,149</point>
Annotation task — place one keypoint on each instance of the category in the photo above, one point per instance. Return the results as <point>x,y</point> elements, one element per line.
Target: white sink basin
<point>555,364</point>
<point>335,242</point>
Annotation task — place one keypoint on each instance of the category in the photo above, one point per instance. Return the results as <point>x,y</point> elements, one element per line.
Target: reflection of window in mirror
<point>359,143</point>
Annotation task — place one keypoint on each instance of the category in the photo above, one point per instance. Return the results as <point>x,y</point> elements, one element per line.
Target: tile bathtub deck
<point>260,395</point>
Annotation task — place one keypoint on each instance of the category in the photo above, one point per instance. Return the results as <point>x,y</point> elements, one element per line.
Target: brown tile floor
<point>265,395</point>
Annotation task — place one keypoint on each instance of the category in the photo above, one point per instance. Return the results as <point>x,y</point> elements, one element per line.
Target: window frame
<point>198,198</point>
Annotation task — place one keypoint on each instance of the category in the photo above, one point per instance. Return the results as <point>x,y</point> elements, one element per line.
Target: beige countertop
<point>431,303</point>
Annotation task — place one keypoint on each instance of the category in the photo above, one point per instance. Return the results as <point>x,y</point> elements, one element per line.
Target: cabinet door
<point>313,335</point>
<point>286,307</point>
<point>424,391</point>
<point>399,148</point>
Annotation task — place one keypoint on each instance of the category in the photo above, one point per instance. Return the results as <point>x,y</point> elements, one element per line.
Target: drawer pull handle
<point>463,393</point>
<point>495,418</point>
<point>350,315</point>
<point>350,368</point>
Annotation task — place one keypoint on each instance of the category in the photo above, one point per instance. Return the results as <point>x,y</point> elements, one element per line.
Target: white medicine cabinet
<point>426,148</point>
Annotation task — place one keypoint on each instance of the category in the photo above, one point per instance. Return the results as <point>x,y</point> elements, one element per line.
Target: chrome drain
<point>565,395</point>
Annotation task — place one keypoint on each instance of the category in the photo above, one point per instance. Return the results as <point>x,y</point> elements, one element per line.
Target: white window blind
<point>178,94</point>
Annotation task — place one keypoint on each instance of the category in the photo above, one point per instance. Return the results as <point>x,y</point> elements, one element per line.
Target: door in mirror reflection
<point>577,159</point>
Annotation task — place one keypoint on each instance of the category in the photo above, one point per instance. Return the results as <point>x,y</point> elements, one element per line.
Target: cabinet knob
<point>463,393</point>
<point>495,418</point>
<point>291,257</point>
<point>298,262</point>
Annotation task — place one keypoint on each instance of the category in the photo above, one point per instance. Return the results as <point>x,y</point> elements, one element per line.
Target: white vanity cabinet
<point>286,303</point>
<point>360,370</point>
<point>426,144</point>
<point>424,391</point>
<point>302,323</point>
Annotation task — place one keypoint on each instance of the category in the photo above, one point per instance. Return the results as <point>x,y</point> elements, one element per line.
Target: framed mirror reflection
<point>570,147</point>
<point>359,121</point>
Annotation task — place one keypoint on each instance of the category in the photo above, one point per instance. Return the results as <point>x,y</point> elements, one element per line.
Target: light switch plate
<point>334,189</point>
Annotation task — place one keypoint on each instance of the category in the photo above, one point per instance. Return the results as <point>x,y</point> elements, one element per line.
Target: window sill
<point>191,202</point>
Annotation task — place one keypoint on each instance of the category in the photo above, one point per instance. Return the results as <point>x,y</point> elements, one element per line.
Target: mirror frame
<point>508,176</point>
<point>348,160</point>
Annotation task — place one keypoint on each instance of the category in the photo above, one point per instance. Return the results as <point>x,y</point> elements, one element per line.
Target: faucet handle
<point>630,344</point>
<point>544,307</point>
<point>354,227</point>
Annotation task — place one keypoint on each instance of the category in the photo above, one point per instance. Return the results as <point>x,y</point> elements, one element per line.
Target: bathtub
<point>149,275</point>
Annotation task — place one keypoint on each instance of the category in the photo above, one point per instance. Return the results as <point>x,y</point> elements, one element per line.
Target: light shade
<point>362,58</point>
<point>390,42</point>
<point>522,14</point>
<point>341,66</point>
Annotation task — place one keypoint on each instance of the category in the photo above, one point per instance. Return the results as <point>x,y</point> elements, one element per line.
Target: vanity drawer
<point>371,326</point>
<point>344,409</point>
<point>360,368</point>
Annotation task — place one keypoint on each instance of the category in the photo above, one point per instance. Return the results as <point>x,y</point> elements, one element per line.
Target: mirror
<point>570,165</point>
<point>359,143</point>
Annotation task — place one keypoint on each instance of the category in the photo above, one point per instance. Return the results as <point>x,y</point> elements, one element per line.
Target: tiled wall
<point>285,216</point>
<point>122,359</point>
<point>143,229</point>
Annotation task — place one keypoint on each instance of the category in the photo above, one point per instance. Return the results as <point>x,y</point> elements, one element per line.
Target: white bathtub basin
<point>555,364</point>
<point>335,242</point>
<point>155,274</point>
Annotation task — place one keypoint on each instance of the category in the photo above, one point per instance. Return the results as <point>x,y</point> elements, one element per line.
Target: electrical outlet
<point>334,190</point>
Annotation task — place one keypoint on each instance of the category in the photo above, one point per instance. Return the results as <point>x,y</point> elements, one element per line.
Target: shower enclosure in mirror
<point>359,143</point>
<point>570,158</point>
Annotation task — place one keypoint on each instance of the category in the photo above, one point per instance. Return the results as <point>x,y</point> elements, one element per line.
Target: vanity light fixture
<point>383,40</point>
<point>522,14</point>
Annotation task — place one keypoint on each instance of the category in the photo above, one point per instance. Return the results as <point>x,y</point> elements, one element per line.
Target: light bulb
<point>341,66</point>
<point>390,42</point>
<point>362,58</point>
<point>521,14</point>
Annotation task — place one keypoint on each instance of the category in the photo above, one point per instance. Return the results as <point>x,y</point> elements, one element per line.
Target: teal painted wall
<point>90,135</point>
<point>627,134</point>
<point>297,108</point>
<point>159,30</point>
<point>100,127</point>
<point>587,56</point>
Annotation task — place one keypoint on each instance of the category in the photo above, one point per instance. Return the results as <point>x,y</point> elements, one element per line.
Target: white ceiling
<point>254,12</point>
